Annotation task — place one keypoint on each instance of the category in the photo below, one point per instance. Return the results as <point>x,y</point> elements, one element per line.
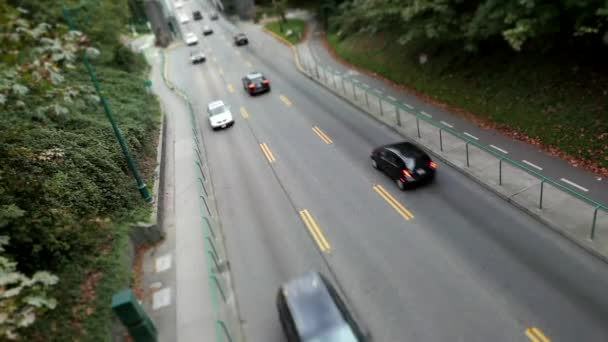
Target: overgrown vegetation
<point>66,195</point>
<point>292,29</point>
<point>536,67</point>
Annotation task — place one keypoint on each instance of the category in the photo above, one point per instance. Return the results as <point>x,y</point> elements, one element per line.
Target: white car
<point>207,30</point>
<point>197,57</point>
<point>183,19</point>
<point>219,115</point>
<point>179,4</point>
<point>191,39</point>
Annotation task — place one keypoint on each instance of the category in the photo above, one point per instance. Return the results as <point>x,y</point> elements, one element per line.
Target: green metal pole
<point>141,186</point>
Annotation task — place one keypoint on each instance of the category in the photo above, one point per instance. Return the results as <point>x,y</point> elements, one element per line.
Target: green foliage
<point>292,30</point>
<point>22,298</point>
<point>520,23</point>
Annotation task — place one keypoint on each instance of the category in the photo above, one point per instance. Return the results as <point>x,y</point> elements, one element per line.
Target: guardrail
<point>227,324</point>
<point>512,179</point>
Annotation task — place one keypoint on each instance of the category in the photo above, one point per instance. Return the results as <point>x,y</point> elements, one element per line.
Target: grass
<point>296,26</point>
<point>556,102</point>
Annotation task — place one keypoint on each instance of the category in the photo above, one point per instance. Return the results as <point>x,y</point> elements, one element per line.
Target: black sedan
<point>404,163</point>
<point>241,39</point>
<point>310,309</point>
<point>255,83</point>
<point>197,15</point>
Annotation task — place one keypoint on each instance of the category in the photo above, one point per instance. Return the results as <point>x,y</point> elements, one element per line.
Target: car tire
<point>375,164</point>
<point>400,184</point>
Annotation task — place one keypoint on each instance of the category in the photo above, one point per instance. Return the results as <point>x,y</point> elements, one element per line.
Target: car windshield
<point>342,333</point>
<point>217,110</point>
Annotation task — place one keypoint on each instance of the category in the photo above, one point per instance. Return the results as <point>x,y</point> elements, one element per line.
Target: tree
<point>21,298</point>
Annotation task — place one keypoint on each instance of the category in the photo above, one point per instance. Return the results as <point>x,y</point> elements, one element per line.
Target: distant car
<point>241,39</point>
<point>197,57</point>
<point>179,4</point>
<point>183,19</point>
<point>405,163</point>
<point>207,30</point>
<point>197,15</point>
<point>311,310</point>
<point>214,16</point>
<point>191,39</point>
<point>219,115</point>
<point>255,83</point>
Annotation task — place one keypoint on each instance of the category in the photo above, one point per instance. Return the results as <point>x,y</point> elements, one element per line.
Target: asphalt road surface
<point>296,192</point>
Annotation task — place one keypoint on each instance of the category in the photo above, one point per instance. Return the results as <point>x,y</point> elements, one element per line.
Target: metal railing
<point>459,150</point>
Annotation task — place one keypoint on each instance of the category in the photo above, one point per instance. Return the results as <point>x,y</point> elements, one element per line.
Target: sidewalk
<point>178,274</point>
<point>514,181</point>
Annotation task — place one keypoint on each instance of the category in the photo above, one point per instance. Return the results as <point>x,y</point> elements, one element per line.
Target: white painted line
<point>471,136</point>
<point>378,91</point>
<point>355,80</point>
<point>392,98</point>
<point>533,165</point>
<point>446,124</point>
<point>408,106</point>
<point>163,263</point>
<point>426,114</point>
<point>365,85</point>
<point>499,149</point>
<point>574,185</point>
<point>161,298</point>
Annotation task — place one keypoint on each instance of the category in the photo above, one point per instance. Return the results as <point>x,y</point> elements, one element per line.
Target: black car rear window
<point>315,312</point>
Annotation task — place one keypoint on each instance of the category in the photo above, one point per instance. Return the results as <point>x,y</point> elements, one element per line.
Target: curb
<point>290,45</point>
<point>568,236</point>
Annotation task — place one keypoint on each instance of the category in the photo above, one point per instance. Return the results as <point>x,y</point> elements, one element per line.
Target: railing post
<point>203,185</point>
<point>500,171</point>
<point>418,126</point>
<point>212,246</point>
<point>200,167</point>
<point>398,115</point>
<point>380,102</point>
<point>206,205</point>
<point>333,77</point>
<point>317,71</point>
<point>592,235</point>
<point>343,86</point>
<point>226,333</point>
<point>366,98</point>
<point>217,283</point>
<point>440,140</point>
<point>215,261</point>
<point>542,186</point>
<point>467,148</point>
<point>354,91</point>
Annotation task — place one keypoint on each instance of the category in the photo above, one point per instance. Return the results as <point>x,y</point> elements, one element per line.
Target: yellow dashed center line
<point>267,152</point>
<point>322,135</point>
<point>230,88</point>
<point>286,100</point>
<point>244,113</point>
<point>406,214</point>
<point>315,231</point>
<point>535,335</point>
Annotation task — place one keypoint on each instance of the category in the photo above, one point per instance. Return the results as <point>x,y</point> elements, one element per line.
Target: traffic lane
<point>546,240</point>
<point>585,182</point>
<point>374,266</point>
<point>256,218</point>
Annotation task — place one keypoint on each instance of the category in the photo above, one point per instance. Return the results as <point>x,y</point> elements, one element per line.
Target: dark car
<point>214,16</point>
<point>255,83</point>
<point>404,163</point>
<point>310,309</point>
<point>197,15</point>
<point>241,39</point>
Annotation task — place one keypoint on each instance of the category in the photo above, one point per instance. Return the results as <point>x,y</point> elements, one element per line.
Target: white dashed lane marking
<point>163,263</point>
<point>499,149</point>
<point>426,114</point>
<point>408,106</point>
<point>471,136</point>
<point>392,98</point>
<point>446,124</point>
<point>574,185</point>
<point>532,165</point>
<point>161,298</point>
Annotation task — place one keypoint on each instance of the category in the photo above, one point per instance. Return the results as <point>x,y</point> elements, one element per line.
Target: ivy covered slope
<point>531,67</point>
<point>66,195</point>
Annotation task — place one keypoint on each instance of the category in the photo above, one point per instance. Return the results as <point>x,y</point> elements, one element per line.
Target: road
<point>446,262</point>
